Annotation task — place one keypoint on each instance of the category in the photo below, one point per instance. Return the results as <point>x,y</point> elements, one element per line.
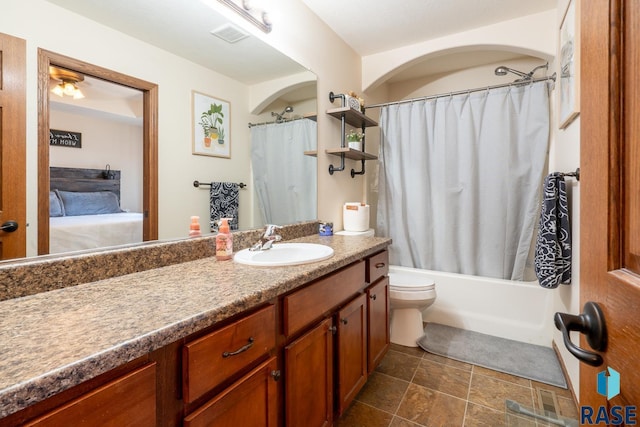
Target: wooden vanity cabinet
<point>313,375</point>
<point>299,360</point>
<point>326,331</point>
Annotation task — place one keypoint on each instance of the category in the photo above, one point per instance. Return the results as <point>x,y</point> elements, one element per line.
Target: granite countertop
<point>54,340</point>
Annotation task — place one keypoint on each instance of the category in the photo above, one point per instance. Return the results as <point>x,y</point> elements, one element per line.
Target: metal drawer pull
<point>275,375</point>
<point>240,350</point>
<point>380,265</point>
<point>344,321</point>
<point>373,297</point>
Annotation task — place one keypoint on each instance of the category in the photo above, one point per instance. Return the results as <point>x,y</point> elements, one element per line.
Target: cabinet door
<point>378,336</point>
<point>351,350</point>
<point>127,401</point>
<point>309,378</point>
<point>250,402</point>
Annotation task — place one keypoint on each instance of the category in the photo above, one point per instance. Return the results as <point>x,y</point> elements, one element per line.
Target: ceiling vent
<point>229,33</point>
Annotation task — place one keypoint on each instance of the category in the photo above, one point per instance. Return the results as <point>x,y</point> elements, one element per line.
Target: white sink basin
<point>284,254</point>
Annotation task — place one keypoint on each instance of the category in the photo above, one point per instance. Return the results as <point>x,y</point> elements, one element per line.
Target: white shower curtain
<point>460,179</point>
<point>284,178</point>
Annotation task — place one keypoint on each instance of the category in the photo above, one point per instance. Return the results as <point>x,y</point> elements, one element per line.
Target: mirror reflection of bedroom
<point>95,160</point>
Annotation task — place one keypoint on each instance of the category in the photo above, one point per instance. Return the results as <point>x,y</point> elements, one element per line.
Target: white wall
<point>565,157</point>
<point>104,141</point>
<point>532,35</point>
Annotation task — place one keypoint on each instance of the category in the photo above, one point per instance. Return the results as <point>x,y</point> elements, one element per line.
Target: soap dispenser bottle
<point>224,241</point>
<point>194,227</point>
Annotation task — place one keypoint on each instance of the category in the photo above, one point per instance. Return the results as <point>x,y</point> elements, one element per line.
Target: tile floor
<point>414,388</point>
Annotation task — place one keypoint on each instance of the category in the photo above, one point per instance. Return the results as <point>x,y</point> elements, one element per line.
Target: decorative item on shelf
<point>354,101</point>
<point>354,140</point>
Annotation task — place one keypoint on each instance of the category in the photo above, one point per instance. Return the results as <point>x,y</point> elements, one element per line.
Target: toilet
<point>410,293</point>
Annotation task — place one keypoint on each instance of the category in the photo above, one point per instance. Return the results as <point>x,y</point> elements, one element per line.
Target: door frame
<point>149,136</point>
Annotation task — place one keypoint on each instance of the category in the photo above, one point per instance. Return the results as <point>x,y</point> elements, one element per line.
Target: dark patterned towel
<point>223,199</point>
<point>553,246</point>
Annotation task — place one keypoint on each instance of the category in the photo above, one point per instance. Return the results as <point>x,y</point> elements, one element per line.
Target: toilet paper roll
<point>355,216</point>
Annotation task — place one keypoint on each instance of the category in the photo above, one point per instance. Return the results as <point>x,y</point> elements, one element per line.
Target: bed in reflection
<point>85,211</point>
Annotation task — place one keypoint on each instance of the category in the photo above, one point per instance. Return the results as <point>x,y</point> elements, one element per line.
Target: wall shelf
<point>352,117</point>
<point>350,153</point>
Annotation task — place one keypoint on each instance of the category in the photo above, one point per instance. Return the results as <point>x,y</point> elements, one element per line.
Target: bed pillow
<point>89,203</point>
<point>55,205</point>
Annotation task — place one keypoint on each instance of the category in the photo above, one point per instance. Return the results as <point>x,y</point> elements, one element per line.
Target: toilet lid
<point>401,281</point>
<point>412,287</point>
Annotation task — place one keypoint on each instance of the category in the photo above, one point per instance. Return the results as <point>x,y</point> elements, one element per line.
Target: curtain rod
<point>270,123</point>
<point>461,92</point>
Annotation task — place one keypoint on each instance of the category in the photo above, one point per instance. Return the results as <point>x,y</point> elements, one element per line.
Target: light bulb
<point>69,89</point>
<point>78,94</point>
<point>58,90</point>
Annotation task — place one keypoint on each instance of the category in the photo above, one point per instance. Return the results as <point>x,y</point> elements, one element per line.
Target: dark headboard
<point>75,179</point>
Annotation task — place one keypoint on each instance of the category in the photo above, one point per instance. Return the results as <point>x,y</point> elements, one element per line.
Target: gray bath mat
<point>530,361</point>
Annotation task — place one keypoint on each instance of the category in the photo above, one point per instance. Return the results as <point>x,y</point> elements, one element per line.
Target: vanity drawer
<point>126,401</point>
<point>377,266</point>
<point>213,358</point>
<point>308,304</point>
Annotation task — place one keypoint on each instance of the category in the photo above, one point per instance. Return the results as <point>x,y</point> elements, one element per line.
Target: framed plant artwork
<point>569,93</point>
<point>210,123</point>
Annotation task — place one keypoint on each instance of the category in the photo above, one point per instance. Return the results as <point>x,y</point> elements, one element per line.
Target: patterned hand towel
<point>223,199</point>
<point>553,245</point>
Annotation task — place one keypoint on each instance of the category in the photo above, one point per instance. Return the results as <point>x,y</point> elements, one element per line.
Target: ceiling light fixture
<point>250,13</point>
<point>67,82</point>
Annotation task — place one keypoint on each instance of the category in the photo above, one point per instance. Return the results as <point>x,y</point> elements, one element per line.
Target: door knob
<point>591,323</point>
<point>9,227</point>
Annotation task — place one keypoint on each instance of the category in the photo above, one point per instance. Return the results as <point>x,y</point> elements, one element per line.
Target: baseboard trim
<point>565,373</point>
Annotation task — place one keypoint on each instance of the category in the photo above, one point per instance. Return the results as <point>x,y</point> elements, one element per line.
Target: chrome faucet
<point>267,239</point>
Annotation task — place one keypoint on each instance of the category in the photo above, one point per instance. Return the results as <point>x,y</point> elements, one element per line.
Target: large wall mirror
<point>112,122</point>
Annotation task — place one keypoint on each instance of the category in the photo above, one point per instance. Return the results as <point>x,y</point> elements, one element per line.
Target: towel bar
<point>197,183</point>
<point>575,174</point>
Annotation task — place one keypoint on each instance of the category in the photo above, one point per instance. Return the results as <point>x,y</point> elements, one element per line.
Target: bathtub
<point>520,311</point>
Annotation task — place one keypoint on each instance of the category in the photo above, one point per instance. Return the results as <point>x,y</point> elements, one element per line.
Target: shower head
<point>279,118</point>
<point>502,71</point>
